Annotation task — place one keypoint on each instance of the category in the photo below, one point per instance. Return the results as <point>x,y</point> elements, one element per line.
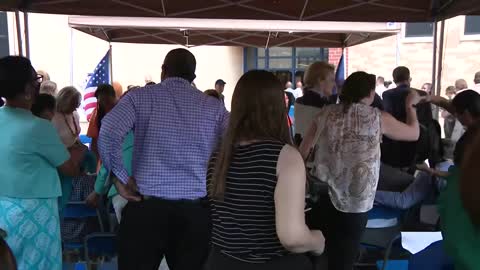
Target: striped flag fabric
<point>101,75</point>
<point>340,74</point>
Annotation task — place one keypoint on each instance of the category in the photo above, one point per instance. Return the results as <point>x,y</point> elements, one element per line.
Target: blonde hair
<point>316,71</point>
<point>65,99</point>
<point>451,88</point>
<point>48,87</point>
<point>45,75</point>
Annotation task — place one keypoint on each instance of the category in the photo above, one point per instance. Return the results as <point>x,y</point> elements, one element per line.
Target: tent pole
<point>434,65</point>
<point>440,59</point>
<point>71,56</point>
<point>19,33</point>
<point>397,50</point>
<point>27,35</point>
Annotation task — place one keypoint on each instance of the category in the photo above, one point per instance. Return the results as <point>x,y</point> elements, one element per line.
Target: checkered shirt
<point>176,129</point>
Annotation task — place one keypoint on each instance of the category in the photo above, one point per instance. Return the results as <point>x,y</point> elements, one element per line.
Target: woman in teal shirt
<point>30,155</point>
<point>118,201</point>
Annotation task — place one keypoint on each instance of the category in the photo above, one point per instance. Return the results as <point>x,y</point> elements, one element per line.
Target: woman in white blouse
<point>347,137</point>
<point>66,119</point>
<point>67,123</point>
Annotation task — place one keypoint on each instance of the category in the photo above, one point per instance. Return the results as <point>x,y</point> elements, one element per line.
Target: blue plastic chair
<point>392,217</point>
<point>85,139</point>
<point>393,265</point>
<point>100,244</point>
<point>383,224</point>
<point>378,234</point>
<point>80,210</point>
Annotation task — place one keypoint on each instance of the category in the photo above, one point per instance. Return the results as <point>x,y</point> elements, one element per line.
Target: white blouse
<point>347,155</point>
<point>68,127</point>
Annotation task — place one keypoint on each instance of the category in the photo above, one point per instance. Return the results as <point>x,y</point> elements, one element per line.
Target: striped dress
<point>244,222</point>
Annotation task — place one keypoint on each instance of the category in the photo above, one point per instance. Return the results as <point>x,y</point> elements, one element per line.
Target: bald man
<point>177,127</point>
<point>460,85</point>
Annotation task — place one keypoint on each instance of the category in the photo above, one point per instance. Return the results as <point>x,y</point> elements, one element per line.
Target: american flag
<point>101,75</point>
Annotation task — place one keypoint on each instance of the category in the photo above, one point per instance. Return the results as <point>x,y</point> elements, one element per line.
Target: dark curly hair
<point>356,87</point>
<point>43,102</point>
<point>467,100</point>
<point>15,73</point>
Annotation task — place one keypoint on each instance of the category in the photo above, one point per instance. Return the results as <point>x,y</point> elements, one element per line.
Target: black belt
<point>153,198</point>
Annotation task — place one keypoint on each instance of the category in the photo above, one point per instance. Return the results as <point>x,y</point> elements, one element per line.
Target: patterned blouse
<point>347,155</point>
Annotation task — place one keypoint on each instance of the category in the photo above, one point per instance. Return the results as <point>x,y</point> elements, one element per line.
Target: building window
<point>4,47</point>
<point>262,58</point>
<point>280,58</point>
<point>261,63</point>
<point>472,25</point>
<point>418,30</point>
<point>288,64</point>
<point>306,56</point>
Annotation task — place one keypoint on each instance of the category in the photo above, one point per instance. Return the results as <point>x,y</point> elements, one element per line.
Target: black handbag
<point>316,188</point>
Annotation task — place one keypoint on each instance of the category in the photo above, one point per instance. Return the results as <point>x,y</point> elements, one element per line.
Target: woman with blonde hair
<point>67,123</point>
<point>319,82</point>
<point>48,87</point>
<point>66,119</point>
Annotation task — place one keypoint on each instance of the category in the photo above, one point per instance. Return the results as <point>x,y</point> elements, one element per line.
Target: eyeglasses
<point>38,78</point>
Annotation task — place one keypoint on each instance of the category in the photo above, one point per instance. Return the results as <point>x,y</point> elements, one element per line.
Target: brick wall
<point>334,55</point>
<point>460,56</point>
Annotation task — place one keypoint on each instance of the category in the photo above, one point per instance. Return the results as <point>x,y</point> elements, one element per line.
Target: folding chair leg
<point>389,250</point>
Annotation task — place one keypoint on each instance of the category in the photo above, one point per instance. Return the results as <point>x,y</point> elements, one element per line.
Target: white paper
<point>415,242</point>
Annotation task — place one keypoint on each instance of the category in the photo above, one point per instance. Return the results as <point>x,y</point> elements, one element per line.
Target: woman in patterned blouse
<point>347,137</point>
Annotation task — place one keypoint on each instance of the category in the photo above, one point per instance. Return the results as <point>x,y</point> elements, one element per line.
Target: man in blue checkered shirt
<point>176,129</point>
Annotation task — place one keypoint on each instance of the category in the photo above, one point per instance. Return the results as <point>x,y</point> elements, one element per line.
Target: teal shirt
<point>89,165</point>
<point>127,155</point>
<point>30,152</point>
<point>461,238</point>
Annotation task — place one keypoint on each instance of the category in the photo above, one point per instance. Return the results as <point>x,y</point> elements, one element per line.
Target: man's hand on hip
<point>128,191</point>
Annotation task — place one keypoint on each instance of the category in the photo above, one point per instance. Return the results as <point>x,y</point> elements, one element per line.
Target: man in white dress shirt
<point>298,92</point>
<point>380,88</point>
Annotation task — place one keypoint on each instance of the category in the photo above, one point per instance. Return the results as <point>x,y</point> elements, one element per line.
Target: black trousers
<point>342,231</point>
<point>152,229</point>
<point>218,261</point>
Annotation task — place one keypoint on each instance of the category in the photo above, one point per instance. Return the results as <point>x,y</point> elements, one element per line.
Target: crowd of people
<point>204,188</point>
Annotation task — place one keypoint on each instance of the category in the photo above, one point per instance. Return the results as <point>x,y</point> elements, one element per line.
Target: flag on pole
<point>101,75</point>
<point>340,75</point>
